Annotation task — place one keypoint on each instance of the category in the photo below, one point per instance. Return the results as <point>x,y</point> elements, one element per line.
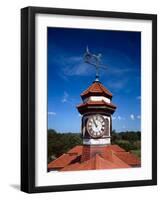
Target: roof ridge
<point>96,87</point>
<point>114,155</point>
<point>97,157</point>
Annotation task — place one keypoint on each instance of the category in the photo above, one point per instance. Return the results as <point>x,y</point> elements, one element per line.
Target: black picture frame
<point>28,98</point>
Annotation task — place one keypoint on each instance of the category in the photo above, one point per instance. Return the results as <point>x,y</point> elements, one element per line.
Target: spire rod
<point>94,60</point>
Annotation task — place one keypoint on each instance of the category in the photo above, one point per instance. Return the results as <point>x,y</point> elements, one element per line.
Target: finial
<point>87,50</point>
<point>96,79</point>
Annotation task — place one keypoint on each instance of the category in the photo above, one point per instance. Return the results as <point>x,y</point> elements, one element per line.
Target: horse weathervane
<point>94,60</point>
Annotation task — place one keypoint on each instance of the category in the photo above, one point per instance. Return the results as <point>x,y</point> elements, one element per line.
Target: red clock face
<point>96,126</point>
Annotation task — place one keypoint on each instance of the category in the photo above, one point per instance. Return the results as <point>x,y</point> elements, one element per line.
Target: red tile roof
<point>97,162</point>
<point>115,148</point>
<point>96,89</point>
<point>62,161</point>
<point>105,157</point>
<point>77,149</point>
<point>129,158</point>
<point>93,105</point>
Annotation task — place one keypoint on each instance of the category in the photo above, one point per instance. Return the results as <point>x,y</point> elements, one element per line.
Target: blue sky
<point>69,76</point>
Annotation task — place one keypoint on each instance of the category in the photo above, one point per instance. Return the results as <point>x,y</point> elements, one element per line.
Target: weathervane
<point>94,60</point>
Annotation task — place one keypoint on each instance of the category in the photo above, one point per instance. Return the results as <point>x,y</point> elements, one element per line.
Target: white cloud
<point>138,116</point>
<point>79,69</point>
<point>75,66</point>
<point>72,65</point>
<point>132,117</point>
<point>52,113</point>
<point>65,97</point>
<point>119,117</point>
<point>75,59</point>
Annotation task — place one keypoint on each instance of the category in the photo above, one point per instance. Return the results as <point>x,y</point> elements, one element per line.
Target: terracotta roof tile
<point>129,158</point>
<point>77,149</point>
<point>62,161</point>
<point>109,157</point>
<point>72,167</point>
<point>65,159</point>
<point>96,88</point>
<point>97,162</point>
<point>115,148</point>
<point>112,157</point>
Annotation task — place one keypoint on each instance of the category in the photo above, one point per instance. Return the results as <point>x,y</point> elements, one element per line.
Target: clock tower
<point>96,111</point>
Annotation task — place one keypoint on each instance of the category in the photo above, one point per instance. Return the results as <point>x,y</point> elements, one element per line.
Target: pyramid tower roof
<point>96,89</point>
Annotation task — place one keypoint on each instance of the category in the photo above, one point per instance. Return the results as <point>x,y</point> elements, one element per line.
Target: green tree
<point>59,143</point>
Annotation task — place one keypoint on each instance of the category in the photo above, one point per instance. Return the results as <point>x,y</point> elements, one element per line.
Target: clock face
<point>96,126</point>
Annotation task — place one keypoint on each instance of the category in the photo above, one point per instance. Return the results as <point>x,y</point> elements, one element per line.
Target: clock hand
<point>95,123</point>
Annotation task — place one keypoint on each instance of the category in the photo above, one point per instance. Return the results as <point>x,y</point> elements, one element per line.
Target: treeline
<point>129,140</point>
<point>59,143</point>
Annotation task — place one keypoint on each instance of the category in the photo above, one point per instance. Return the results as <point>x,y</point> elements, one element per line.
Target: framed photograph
<point>88,99</point>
